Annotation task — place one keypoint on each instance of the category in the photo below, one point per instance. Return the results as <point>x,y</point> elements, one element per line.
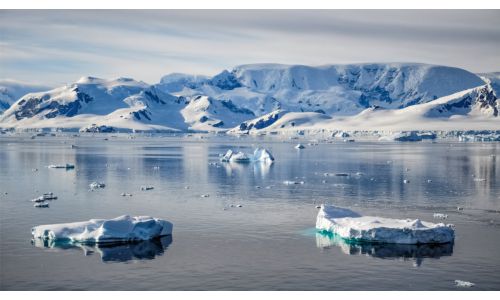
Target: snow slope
<point>476,108</point>
<point>11,91</point>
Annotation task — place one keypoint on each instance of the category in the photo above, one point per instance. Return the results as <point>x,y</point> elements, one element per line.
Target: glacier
<point>350,225</point>
<point>121,229</point>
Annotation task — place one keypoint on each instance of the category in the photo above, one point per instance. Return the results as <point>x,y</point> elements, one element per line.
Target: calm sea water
<point>267,244</point>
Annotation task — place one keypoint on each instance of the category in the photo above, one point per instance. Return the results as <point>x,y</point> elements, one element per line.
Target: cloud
<point>58,46</point>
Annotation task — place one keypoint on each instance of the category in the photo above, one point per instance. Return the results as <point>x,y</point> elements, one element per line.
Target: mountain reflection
<point>116,252</point>
<point>417,253</point>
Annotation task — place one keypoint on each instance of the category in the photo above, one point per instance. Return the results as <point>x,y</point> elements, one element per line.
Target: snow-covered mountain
<point>11,91</point>
<point>123,104</point>
<point>330,89</point>
<point>476,108</point>
<point>263,97</point>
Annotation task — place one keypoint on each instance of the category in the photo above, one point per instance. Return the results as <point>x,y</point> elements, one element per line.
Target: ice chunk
<point>259,155</point>
<point>120,229</point>
<point>262,155</point>
<point>146,187</point>
<point>41,204</point>
<point>440,216</point>
<point>352,226</point>
<point>290,182</point>
<point>461,283</point>
<point>406,181</point>
<point>300,146</point>
<point>96,185</point>
<point>66,166</point>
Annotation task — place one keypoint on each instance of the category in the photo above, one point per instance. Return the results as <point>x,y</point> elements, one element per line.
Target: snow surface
<point>352,226</point>
<point>121,229</point>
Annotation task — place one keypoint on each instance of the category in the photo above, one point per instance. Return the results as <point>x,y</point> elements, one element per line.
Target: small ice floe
<point>291,182</point>
<point>459,208</point>
<point>350,225</point>
<point>479,179</point>
<point>406,181</point>
<point>120,229</point>
<point>41,205</point>
<point>73,146</point>
<point>156,167</point>
<point>45,197</point>
<point>66,166</point>
<point>440,216</point>
<point>34,170</point>
<point>97,185</point>
<point>186,187</point>
<point>205,196</point>
<point>147,187</point>
<point>299,146</point>
<point>239,205</point>
<point>126,195</point>
<point>461,283</point>
<point>429,181</point>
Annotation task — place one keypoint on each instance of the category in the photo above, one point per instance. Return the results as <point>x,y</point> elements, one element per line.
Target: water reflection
<point>120,252</point>
<point>415,253</point>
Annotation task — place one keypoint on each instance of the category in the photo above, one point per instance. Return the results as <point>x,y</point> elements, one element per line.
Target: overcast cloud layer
<point>56,47</point>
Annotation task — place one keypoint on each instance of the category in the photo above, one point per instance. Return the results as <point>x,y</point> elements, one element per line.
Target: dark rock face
<point>31,106</point>
<point>484,99</point>
<point>225,81</point>
<point>261,123</point>
<point>230,105</point>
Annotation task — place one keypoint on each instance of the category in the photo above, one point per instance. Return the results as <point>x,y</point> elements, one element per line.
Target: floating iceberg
<point>409,136</point>
<point>461,283</point>
<point>66,166</point>
<point>41,204</point>
<point>147,187</point>
<point>121,229</point>
<point>300,146</point>
<point>45,197</point>
<point>259,155</point>
<point>96,185</point>
<point>352,226</point>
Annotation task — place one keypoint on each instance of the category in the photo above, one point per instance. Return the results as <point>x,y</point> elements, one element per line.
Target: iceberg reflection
<point>416,253</point>
<point>116,252</point>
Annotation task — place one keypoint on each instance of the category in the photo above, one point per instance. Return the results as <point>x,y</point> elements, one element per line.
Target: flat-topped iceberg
<point>259,155</point>
<point>121,229</point>
<point>350,225</point>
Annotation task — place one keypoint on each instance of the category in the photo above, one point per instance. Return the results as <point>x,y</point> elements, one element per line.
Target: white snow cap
<point>121,229</point>
<point>352,226</point>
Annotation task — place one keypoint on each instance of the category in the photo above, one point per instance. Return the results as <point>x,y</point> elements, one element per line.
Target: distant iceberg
<point>259,155</point>
<point>94,231</point>
<point>350,225</point>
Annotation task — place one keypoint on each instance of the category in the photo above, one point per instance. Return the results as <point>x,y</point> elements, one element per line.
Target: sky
<point>55,47</point>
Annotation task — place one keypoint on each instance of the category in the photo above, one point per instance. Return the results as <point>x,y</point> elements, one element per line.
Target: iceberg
<point>96,185</point>
<point>351,226</point>
<point>259,155</point>
<point>66,166</point>
<point>121,229</point>
<point>299,146</point>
